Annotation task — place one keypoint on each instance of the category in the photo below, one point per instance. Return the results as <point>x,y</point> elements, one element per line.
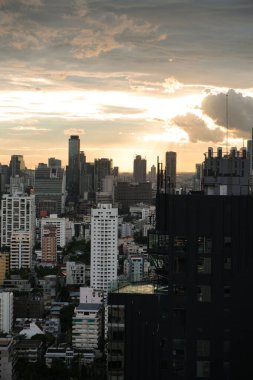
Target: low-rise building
<point>66,355</point>
<point>30,350</point>
<point>7,359</point>
<point>75,273</point>
<point>87,326</point>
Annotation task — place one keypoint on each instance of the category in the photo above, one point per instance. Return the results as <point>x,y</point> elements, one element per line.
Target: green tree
<point>66,315</point>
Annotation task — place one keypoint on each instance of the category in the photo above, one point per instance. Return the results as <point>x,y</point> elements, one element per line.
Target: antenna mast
<point>227,121</point>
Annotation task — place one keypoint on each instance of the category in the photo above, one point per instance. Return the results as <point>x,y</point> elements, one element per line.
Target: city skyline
<point>129,78</point>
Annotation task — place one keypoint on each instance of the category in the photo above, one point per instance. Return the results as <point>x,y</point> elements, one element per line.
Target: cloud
<point>74,131</point>
<point>197,129</point>
<point>240,111</point>
<point>29,128</point>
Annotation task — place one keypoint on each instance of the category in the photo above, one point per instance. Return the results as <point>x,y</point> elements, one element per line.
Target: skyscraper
<point>104,246</point>
<point>171,171</point>
<point>103,168</point>
<point>17,165</point>
<point>73,169</point>
<point>140,169</point>
<point>50,192</point>
<point>17,214</point>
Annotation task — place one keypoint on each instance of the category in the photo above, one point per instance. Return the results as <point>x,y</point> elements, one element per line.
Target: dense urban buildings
<point>159,270</point>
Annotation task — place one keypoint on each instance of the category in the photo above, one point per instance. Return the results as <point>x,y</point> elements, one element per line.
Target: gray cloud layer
<point>240,111</point>
<point>208,42</point>
<point>197,129</point>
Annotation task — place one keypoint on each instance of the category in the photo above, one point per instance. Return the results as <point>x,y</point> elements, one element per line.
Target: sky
<point>128,76</point>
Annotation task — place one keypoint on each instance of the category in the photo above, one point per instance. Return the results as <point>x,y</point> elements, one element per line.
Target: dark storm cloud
<point>240,111</point>
<point>197,129</point>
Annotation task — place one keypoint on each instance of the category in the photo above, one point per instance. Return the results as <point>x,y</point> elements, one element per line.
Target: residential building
<point>134,268</point>
<point>90,295</point>
<point>7,359</point>
<point>17,214</point>
<point>75,273</point>
<point>65,354</point>
<point>21,250</point>
<point>49,243</point>
<point>6,312</point>
<point>29,350</point>
<point>63,225</point>
<point>140,169</point>
<point>87,327</point>
<point>104,246</point>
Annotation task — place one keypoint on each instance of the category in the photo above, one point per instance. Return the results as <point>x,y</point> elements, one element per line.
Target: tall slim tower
<point>171,171</point>
<point>73,169</point>
<point>104,246</point>
<point>140,169</point>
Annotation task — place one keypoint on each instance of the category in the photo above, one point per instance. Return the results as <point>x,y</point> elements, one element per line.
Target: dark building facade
<point>73,170</point>
<point>206,245</point>
<point>138,335</point>
<point>140,169</point>
<point>129,194</point>
<point>102,168</point>
<point>171,171</point>
<point>49,190</point>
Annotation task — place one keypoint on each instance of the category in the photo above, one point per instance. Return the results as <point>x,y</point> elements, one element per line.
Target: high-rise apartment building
<point>63,225</point>
<point>6,314</point>
<point>73,169</point>
<point>140,169</point>
<point>50,190</point>
<point>17,214</point>
<point>21,250</point>
<point>171,171</point>
<point>49,243</point>
<point>104,246</point>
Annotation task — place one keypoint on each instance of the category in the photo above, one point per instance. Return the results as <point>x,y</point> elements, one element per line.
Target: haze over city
<point>127,77</point>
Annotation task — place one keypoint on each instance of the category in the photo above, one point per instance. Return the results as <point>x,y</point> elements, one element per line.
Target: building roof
<point>89,306</point>
<point>32,330</point>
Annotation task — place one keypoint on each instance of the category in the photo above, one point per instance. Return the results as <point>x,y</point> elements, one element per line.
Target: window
<point>203,348</point>
<point>227,241</point>
<point>204,244</point>
<point>204,293</point>
<point>179,265</point>
<point>204,265</point>
<point>203,369</point>
<point>227,291</point>
<point>180,244</point>
<point>227,263</point>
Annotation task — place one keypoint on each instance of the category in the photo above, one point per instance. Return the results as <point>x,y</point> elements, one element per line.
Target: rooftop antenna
<point>227,122</point>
